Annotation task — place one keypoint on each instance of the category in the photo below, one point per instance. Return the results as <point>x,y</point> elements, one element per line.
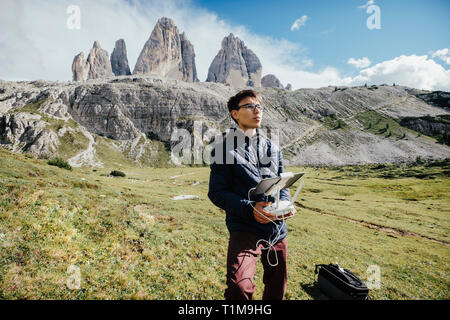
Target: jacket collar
<point>258,135</point>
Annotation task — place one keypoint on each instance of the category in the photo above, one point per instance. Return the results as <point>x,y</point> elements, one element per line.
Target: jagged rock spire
<point>235,64</point>
<point>96,66</point>
<point>167,53</point>
<point>119,60</point>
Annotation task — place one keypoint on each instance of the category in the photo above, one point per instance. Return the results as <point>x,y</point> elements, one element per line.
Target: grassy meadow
<point>131,241</point>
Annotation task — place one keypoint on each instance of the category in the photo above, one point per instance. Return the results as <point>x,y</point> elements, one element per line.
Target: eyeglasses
<point>251,106</point>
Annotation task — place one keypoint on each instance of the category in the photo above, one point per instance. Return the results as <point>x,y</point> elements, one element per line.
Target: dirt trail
<point>385,229</point>
<point>86,157</point>
<point>308,131</point>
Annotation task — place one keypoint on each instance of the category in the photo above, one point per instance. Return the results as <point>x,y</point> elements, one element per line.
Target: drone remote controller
<point>279,209</point>
<point>283,207</point>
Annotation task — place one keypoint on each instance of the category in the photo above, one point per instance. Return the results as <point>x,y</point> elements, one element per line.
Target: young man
<point>243,158</point>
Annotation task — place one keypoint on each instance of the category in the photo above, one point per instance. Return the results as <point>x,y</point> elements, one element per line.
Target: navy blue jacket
<point>237,164</point>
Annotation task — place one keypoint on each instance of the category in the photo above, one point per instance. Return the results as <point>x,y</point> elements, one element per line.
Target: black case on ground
<point>338,284</point>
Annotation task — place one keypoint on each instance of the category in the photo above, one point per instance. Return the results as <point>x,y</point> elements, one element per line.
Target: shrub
<point>60,163</point>
<point>117,173</point>
<point>419,160</point>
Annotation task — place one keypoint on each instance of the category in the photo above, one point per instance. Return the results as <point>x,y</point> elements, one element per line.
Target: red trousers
<point>241,265</point>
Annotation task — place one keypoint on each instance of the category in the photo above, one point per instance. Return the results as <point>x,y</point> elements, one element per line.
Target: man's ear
<point>234,114</point>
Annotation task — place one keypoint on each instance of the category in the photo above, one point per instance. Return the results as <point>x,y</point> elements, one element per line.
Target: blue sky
<point>336,30</point>
<point>331,46</point>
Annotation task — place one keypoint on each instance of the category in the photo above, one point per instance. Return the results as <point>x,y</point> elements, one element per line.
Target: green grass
<point>154,154</point>
<point>71,143</point>
<point>378,124</point>
<point>333,123</point>
<point>56,124</point>
<point>131,241</point>
<point>32,108</point>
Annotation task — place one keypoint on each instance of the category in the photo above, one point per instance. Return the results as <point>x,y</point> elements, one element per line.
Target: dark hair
<point>233,102</point>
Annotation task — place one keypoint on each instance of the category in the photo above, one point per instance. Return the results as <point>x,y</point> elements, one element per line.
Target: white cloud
<point>36,44</point>
<point>368,3</point>
<point>359,63</point>
<point>307,79</point>
<point>412,71</point>
<point>300,22</point>
<point>443,54</point>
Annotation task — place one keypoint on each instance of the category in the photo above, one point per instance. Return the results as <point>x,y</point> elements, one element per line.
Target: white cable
<point>270,242</point>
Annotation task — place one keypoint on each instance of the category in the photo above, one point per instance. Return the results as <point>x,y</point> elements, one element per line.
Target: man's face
<point>247,118</point>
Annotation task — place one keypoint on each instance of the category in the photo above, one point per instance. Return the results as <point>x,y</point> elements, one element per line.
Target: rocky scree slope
<point>136,115</point>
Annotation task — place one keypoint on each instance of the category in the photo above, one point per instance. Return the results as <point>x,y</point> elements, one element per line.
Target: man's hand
<point>288,214</point>
<point>260,215</point>
<point>264,216</point>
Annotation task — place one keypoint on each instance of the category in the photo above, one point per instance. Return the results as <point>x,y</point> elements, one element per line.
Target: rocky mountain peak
<point>166,23</point>
<point>119,60</point>
<point>188,58</point>
<point>235,64</point>
<point>271,81</point>
<point>79,68</point>
<point>99,63</point>
<point>167,53</point>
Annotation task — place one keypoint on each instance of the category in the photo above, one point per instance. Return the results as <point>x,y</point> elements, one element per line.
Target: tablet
<point>269,185</point>
<point>265,185</point>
